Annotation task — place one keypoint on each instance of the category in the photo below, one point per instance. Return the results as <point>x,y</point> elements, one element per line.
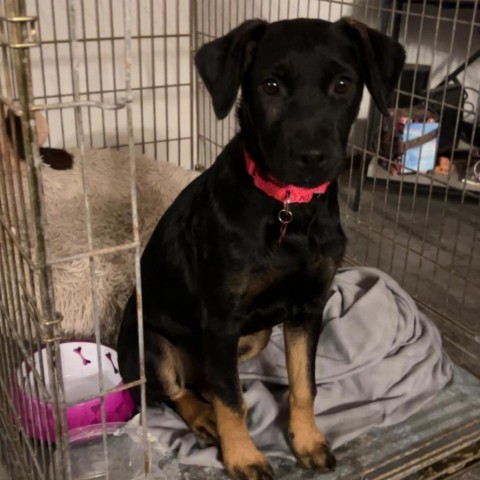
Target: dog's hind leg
<point>198,415</point>
<point>250,346</point>
<point>169,370</point>
<point>174,369</point>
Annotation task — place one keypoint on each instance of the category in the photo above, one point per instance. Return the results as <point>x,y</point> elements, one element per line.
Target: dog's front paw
<point>259,471</point>
<point>314,453</point>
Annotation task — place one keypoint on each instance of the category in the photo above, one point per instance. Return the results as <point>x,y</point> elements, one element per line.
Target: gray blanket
<point>379,360</point>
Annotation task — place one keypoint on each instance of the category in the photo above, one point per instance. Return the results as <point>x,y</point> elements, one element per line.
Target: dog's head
<point>302,83</point>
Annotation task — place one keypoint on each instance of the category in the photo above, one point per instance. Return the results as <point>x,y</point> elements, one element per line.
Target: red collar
<point>277,190</point>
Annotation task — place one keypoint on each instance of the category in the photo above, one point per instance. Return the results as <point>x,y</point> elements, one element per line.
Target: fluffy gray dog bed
<point>108,179</point>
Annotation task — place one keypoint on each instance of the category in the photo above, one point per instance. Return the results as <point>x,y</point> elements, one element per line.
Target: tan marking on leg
<point>198,415</point>
<point>240,456</point>
<point>308,443</point>
<point>251,345</point>
<point>170,370</point>
<point>302,420</point>
<point>175,370</point>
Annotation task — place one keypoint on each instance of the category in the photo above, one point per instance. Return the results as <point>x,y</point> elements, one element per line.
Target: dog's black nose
<point>310,158</point>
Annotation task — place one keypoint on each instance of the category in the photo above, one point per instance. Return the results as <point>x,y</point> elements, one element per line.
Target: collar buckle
<point>285,216</point>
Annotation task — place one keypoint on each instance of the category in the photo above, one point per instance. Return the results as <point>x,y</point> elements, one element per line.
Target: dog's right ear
<point>382,58</point>
<point>222,63</point>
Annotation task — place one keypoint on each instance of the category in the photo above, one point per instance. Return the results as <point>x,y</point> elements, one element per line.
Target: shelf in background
<point>438,181</point>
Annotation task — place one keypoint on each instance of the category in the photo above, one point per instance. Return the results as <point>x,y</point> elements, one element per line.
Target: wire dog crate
<point>119,75</point>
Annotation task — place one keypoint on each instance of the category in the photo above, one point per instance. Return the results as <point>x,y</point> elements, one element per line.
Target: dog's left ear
<point>222,63</point>
<point>382,58</point>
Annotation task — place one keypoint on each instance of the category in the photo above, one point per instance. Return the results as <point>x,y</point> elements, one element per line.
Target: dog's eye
<point>270,87</point>
<point>341,86</point>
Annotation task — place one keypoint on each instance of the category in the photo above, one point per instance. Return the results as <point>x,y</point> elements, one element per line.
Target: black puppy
<point>256,239</point>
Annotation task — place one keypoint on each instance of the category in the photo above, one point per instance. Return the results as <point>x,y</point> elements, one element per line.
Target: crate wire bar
<point>26,281</point>
<point>37,457</point>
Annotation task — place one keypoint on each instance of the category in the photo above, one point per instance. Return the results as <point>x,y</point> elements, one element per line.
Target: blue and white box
<point>419,158</point>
